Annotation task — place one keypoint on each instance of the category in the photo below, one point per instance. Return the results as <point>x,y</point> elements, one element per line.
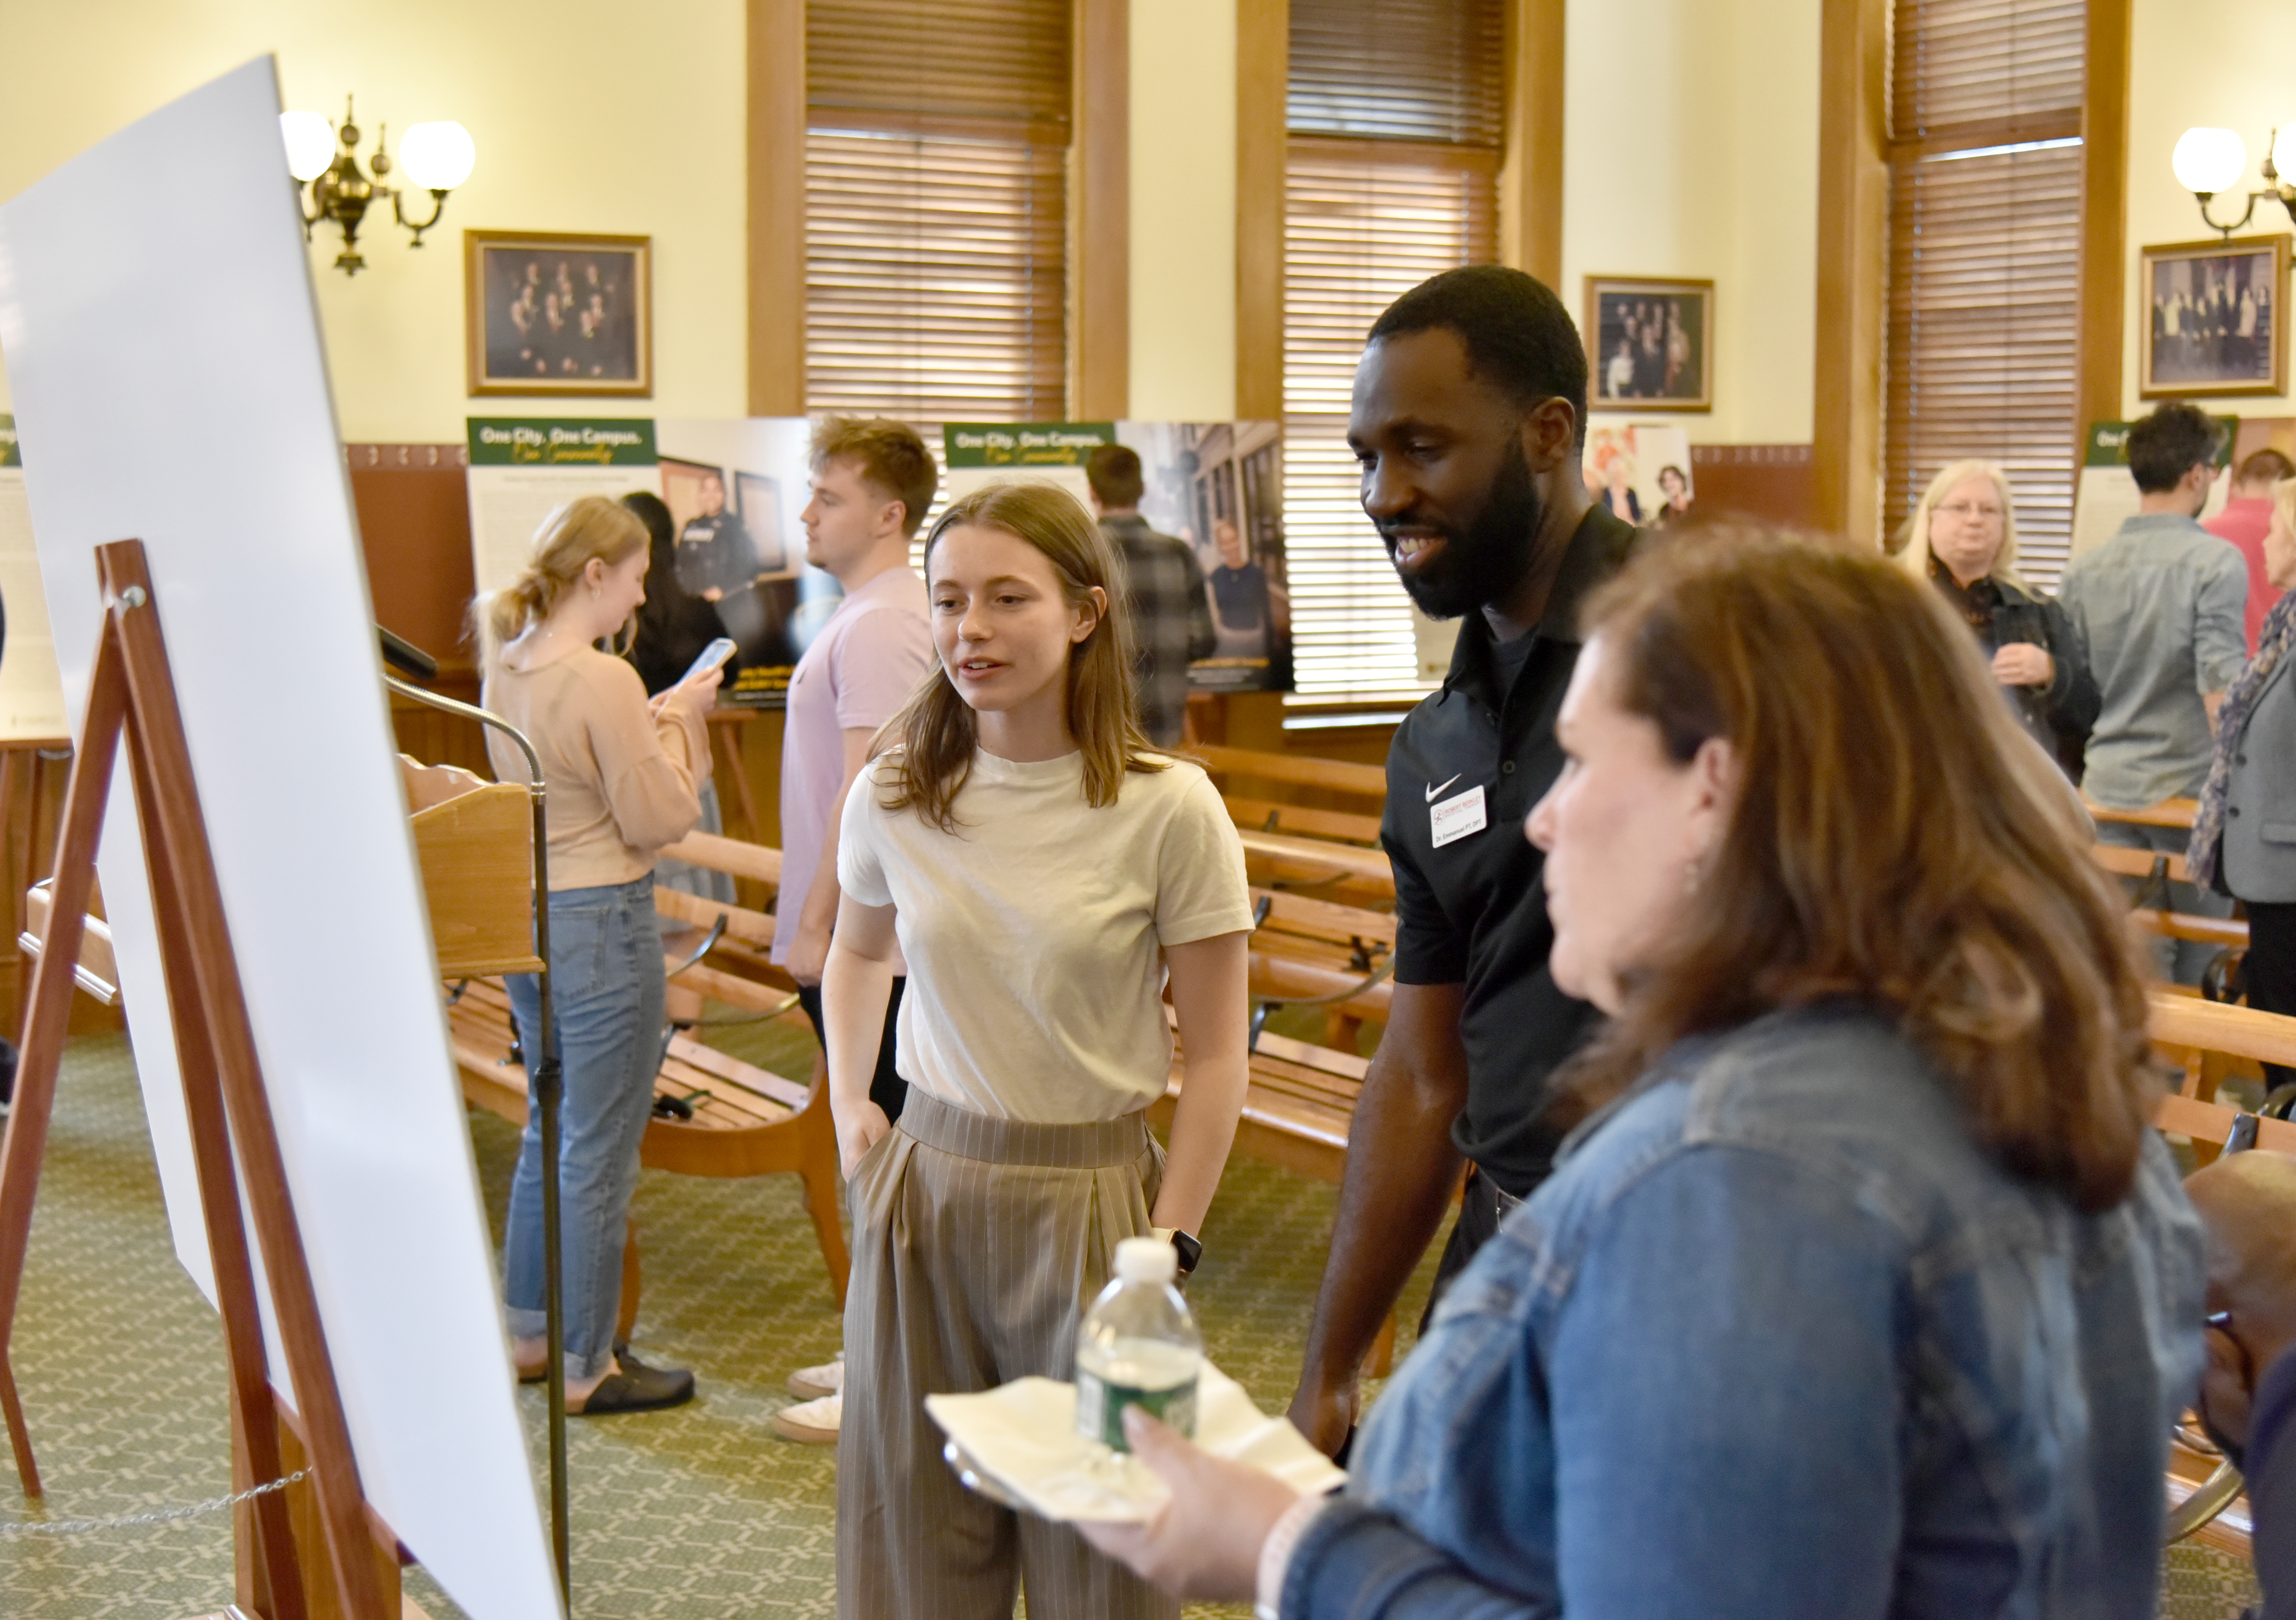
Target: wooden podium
<point>132,700</point>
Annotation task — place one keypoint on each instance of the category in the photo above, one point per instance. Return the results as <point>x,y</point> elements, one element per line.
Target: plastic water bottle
<point>1138,1346</point>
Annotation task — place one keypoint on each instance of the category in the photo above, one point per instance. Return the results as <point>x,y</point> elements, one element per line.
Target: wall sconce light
<point>2210,160</point>
<point>436,156</point>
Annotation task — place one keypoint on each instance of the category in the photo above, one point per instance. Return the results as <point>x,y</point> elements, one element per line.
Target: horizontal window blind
<point>936,210</point>
<point>1961,62</point>
<point>1397,71</point>
<point>1983,339</point>
<point>1395,118</point>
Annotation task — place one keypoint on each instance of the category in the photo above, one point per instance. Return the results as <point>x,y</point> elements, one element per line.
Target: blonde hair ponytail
<point>562,547</point>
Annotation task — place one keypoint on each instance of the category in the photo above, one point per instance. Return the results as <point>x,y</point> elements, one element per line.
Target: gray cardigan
<point>2260,834</point>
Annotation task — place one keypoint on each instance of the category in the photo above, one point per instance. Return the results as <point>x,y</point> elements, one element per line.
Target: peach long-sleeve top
<point>620,780</point>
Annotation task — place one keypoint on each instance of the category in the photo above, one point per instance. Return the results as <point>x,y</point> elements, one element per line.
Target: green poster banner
<point>1023,444</point>
<point>11,455</point>
<point>561,441</point>
<point>2108,443</point>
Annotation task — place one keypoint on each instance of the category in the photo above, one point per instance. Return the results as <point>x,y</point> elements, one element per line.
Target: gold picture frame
<point>551,313</point>
<point>1650,344</point>
<point>2212,318</point>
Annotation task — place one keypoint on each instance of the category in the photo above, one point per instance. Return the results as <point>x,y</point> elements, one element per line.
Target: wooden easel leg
<point>200,940</point>
<point>276,1573</point>
<point>819,1173</point>
<point>48,1010</point>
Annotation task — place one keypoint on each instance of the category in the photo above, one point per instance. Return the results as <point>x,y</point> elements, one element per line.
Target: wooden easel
<point>132,698</point>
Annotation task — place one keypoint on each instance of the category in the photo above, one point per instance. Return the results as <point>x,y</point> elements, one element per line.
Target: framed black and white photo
<point>1650,343</point>
<point>548,312</point>
<point>2213,318</point>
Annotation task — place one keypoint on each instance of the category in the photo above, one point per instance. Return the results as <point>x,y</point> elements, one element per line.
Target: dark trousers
<point>887,1089</point>
<point>1481,1208</point>
<point>2271,968</point>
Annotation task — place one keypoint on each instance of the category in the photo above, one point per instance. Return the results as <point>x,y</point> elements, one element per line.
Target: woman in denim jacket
<point>1862,1288</point>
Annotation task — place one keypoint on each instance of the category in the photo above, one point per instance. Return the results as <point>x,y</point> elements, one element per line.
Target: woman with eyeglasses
<point>1963,538</point>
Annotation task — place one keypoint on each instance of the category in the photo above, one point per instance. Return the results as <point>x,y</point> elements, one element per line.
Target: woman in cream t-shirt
<point>1044,873</point>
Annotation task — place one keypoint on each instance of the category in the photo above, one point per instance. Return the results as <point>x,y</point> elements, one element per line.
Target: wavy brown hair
<point>1893,837</point>
<point>937,732</point>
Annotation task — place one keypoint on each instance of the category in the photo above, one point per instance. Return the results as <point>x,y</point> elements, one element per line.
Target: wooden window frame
<point>1099,271</point>
<point>1853,200</point>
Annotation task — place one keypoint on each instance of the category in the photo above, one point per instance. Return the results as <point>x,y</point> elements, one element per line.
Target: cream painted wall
<point>2222,63</point>
<point>586,124</point>
<point>1183,210</point>
<point>1690,149</point>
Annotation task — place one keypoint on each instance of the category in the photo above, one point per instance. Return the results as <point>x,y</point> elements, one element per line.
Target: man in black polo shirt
<point>1468,418</point>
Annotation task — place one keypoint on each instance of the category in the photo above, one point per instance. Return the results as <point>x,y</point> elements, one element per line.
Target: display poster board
<point>181,399</point>
<point>736,491</point>
<point>524,468</point>
<point>1639,469</point>
<point>2106,496</point>
<point>1218,486</point>
<point>31,691</point>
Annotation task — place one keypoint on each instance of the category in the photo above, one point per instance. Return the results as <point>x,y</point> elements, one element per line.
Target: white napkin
<point>1021,1439</point>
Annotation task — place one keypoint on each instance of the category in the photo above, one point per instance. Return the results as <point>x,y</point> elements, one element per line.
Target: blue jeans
<point>606,980</point>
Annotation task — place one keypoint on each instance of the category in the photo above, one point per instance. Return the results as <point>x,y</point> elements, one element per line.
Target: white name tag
<point>1457,816</point>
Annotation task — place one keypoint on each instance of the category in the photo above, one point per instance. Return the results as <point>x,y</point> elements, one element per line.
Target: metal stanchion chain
<point>84,1527</point>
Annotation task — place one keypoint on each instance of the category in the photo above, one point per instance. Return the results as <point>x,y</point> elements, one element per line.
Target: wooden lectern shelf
<point>474,840</point>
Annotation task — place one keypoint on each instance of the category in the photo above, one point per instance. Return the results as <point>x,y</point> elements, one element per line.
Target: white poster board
<point>524,468</point>
<point>157,283</point>
<point>31,691</point>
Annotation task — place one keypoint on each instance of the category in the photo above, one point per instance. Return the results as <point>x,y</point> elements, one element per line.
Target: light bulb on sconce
<point>2211,160</point>
<point>436,157</point>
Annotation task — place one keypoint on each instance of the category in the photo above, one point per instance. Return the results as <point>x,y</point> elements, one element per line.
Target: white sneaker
<point>811,1383</point>
<point>811,1422</point>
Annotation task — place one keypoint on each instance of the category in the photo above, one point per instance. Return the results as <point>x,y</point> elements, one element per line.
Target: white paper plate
<point>1018,1444</point>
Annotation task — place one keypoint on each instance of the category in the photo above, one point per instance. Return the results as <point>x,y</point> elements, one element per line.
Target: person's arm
<point>1213,1006</point>
<point>2074,701</point>
<point>809,949</point>
<point>1203,635</point>
<point>1400,1170</point>
<point>652,754</point>
<point>856,985</point>
<point>2220,630</point>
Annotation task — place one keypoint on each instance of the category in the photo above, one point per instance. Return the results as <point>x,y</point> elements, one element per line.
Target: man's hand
<point>1325,1415</point>
<point>857,1131</point>
<point>808,951</point>
<point>2022,664</point>
<point>1205,1540</point>
<point>2227,1386</point>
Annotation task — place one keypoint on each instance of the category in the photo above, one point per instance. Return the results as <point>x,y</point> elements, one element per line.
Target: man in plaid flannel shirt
<point>1164,594</point>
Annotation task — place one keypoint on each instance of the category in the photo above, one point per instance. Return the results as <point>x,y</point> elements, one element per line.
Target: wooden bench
<point>716,1115</point>
<point>1334,850</point>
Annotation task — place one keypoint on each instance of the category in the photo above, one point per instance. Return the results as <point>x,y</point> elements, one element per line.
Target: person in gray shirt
<point>2162,605</point>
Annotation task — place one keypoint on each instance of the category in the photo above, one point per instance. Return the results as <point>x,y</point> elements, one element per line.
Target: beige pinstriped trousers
<point>977,1244</point>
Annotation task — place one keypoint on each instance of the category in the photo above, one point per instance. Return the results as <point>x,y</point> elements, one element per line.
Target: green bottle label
<point>1099,1408</point>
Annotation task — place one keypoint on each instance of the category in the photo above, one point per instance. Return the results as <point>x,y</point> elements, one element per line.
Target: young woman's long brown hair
<point>937,729</point>
<point>1894,838</point>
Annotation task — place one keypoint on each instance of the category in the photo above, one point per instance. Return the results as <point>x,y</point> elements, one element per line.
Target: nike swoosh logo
<point>1432,791</point>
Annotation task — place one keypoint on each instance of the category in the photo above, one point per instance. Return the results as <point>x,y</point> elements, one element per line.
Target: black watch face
<point>1192,1252</point>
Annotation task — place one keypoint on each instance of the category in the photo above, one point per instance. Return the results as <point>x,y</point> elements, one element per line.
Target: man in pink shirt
<point>2244,520</point>
<point>872,481</point>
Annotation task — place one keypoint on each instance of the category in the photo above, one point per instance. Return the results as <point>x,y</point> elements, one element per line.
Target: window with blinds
<point>1396,121</point>
<point>1982,348</point>
<point>935,208</point>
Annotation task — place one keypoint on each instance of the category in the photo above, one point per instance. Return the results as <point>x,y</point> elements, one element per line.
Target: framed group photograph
<point>1650,343</point>
<point>2212,321</point>
<point>547,313</point>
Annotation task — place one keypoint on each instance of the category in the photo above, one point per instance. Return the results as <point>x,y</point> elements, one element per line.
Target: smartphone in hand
<point>713,656</point>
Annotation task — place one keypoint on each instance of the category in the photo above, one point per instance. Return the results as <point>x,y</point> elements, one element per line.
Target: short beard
<point>1486,562</point>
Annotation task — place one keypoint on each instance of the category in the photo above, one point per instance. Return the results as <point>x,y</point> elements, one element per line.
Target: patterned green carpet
<point>698,1514</point>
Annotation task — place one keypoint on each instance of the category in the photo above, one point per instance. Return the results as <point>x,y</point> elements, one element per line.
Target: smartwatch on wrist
<point>1191,1250</point>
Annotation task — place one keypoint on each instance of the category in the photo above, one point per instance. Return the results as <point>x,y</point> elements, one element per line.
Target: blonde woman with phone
<point>621,771</point>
